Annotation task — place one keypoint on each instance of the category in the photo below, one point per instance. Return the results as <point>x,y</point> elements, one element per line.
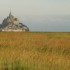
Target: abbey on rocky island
<point>12,24</point>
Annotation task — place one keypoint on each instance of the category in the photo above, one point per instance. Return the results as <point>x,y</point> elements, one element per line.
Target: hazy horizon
<point>39,15</point>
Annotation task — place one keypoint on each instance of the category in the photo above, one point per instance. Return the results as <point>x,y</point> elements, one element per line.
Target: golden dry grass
<point>34,51</point>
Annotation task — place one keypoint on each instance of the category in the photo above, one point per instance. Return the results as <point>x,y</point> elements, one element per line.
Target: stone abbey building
<point>12,24</point>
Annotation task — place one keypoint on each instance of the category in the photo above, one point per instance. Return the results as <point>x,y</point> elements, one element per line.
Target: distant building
<point>12,24</point>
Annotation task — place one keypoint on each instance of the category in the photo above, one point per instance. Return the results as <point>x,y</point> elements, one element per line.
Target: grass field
<point>34,51</point>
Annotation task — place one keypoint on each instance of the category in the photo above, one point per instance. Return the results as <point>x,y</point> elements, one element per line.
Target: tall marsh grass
<point>34,51</point>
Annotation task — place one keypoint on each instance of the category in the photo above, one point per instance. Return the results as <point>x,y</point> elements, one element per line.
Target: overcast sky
<point>39,15</point>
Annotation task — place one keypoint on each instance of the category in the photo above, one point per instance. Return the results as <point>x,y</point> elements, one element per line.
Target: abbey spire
<point>10,13</point>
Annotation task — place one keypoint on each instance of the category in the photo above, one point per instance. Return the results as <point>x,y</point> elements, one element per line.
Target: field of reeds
<point>34,51</point>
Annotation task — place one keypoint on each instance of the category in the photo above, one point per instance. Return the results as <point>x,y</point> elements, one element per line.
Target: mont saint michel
<point>13,24</point>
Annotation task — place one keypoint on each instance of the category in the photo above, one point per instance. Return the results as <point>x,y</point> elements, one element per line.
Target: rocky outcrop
<point>13,24</point>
